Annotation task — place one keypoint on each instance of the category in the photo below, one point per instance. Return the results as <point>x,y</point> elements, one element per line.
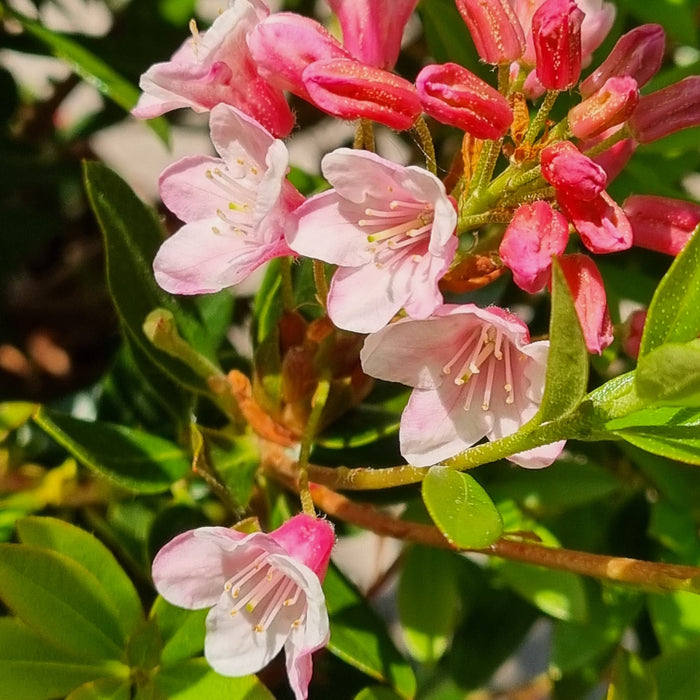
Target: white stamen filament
<point>489,383</point>
<point>257,592</point>
<point>274,605</point>
<point>470,366</point>
<point>448,367</point>
<point>510,398</point>
<point>244,575</point>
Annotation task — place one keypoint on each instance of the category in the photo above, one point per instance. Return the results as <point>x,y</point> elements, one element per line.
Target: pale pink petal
<point>538,457</point>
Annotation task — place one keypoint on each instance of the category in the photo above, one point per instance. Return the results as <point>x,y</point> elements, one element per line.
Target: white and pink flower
<point>234,207</point>
<point>474,374</point>
<point>390,230</point>
<point>264,591</point>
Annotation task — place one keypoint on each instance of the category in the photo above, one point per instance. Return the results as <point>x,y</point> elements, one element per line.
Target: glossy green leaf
<point>132,235</point>
<point>61,600</point>
<point>182,631</point>
<point>567,365</point>
<point>674,312</point>
<point>194,680</point>
<point>678,673</point>
<point>631,679</point>
<point>428,602</point>
<point>103,689</point>
<point>32,669</point>
<point>144,646</point>
<point>461,508</point>
<point>132,459</point>
<point>657,417</point>
<point>13,414</point>
<point>92,69</point>
<point>359,637</point>
<point>675,618</point>
<point>681,443</point>
<point>89,552</point>
<point>670,375</point>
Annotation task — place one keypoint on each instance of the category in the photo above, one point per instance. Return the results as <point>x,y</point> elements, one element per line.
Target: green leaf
<point>678,674</point>
<point>92,70</point>
<point>631,679</point>
<point>132,459</point>
<point>61,600</point>
<point>377,692</point>
<point>681,443</point>
<point>89,552</point>
<point>428,602</point>
<point>182,631</point>
<point>103,689</point>
<point>675,618</point>
<point>13,414</point>
<point>32,669</point>
<point>567,365</point>
<point>461,508</point>
<point>132,235</point>
<point>359,637</point>
<point>674,312</point>
<point>144,647</point>
<point>194,680</point>
<point>670,375</point>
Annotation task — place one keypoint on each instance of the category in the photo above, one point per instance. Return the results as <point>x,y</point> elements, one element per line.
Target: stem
<point>490,217</point>
<point>504,79</point>
<point>287,287</point>
<point>318,403</point>
<point>619,135</point>
<point>426,140</point>
<point>320,281</point>
<point>364,136</point>
<point>541,117</point>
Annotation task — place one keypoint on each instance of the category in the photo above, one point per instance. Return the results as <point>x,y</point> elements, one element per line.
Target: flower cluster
<point>396,234</point>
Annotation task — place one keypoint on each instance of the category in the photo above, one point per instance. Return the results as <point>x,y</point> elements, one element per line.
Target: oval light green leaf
<point>461,508</point>
<point>670,375</point>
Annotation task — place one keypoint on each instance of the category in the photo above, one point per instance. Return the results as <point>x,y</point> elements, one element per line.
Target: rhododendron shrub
<point>398,367</point>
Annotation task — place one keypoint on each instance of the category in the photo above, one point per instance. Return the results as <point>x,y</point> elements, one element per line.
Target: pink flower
<point>475,374</point>
<point>632,333</point>
<point>571,172</point>
<point>661,223</point>
<point>609,106</point>
<point>668,110</point>
<point>389,228</point>
<point>455,96</point>
<point>216,67</point>
<point>556,33</point>
<point>234,207</point>
<point>588,292</point>
<point>352,90</point>
<point>372,29</point>
<point>284,44</point>
<point>534,235</point>
<point>637,54</point>
<point>495,29</point>
<point>264,591</point>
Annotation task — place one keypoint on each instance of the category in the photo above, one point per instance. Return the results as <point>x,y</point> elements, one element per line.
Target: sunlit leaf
<point>631,679</point>
<point>670,375</point>
<point>182,631</point>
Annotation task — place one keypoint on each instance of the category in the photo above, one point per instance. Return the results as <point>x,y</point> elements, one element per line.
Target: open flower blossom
<point>234,207</point>
<point>475,374</point>
<point>264,591</point>
<point>388,227</point>
<point>216,67</point>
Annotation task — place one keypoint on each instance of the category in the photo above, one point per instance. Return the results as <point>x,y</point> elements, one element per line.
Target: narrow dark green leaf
<point>93,70</point>
<point>132,235</point>
<point>631,679</point>
<point>61,600</point>
<point>359,637</point>
<point>567,364</point>
<point>132,459</point>
<point>32,669</point>
<point>461,508</point>
<point>674,312</point>
<point>182,631</point>
<point>88,551</point>
<point>103,689</point>
<point>670,374</point>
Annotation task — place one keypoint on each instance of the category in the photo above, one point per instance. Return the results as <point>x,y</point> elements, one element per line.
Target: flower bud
<point>571,172</point>
<point>660,223</point>
<point>534,235</point>
<point>351,90</point>
<point>611,105</point>
<point>495,29</point>
<point>455,96</point>
<point>666,111</point>
<point>632,333</point>
<point>637,54</point>
<point>556,32</point>
<point>284,44</point>
<point>586,287</point>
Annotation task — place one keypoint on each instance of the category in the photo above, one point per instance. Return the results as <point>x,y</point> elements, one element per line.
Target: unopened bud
<point>611,105</point>
<point>571,172</point>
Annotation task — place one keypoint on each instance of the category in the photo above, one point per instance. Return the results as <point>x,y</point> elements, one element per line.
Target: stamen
<point>255,595</point>
<point>470,393</point>
<point>273,607</point>
<point>509,377</point>
<point>291,601</point>
<point>446,369</point>
<point>497,347</point>
<point>397,230</point>
<point>489,383</point>
<point>470,366</point>
<point>244,575</point>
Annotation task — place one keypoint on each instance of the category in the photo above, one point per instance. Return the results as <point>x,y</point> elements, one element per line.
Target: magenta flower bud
<point>660,223</point>
<point>455,96</point>
<point>637,54</point>
<point>588,292</point>
<point>571,172</point>
<point>632,333</point>
<point>556,32</point>
<point>611,105</point>
<point>495,29</point>
<point>666,111</point>
<point>351,90</point>
<point>372,29</point>
<point>284,44</point>
<point>534,235</point>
